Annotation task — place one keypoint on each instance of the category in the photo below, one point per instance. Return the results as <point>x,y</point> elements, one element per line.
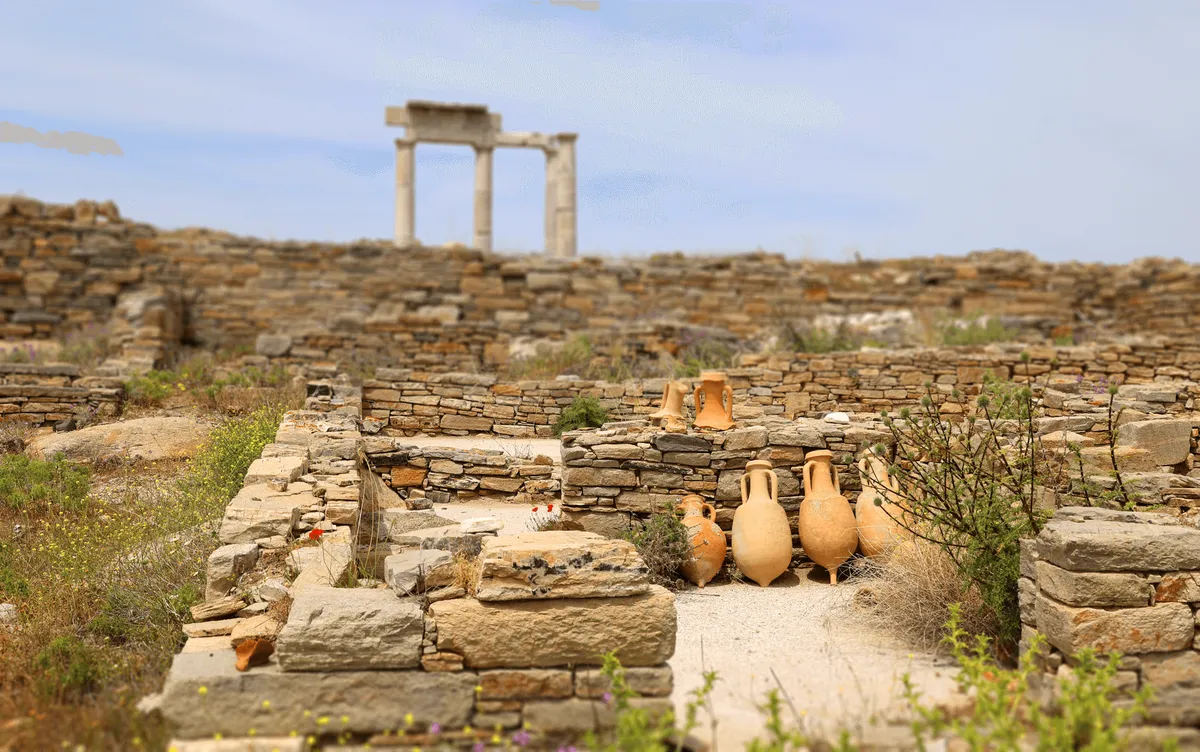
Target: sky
<point>814,129</point>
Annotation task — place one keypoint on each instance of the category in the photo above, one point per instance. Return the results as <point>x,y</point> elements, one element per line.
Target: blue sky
<point>809,128</point>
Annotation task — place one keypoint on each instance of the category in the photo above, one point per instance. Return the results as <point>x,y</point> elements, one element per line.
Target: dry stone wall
<point>1151,378</point>
<point>383,619</point>
<point>458,309</point>
<point>38,395</point>
<point>1125,581</point>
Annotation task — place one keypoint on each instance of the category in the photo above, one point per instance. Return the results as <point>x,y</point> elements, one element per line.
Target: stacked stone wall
<point>37,395</point>
<point>1072,379</point>
<point>1124,581</point>
<point>459,309</point>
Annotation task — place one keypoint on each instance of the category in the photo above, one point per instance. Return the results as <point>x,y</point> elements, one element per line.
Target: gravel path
<point>837,673</point>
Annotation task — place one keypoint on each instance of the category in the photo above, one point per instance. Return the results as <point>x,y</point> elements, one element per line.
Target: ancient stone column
<point>551,192</point>
<point>406,206</point>
<point>483,198</point>
<point>564,205</point>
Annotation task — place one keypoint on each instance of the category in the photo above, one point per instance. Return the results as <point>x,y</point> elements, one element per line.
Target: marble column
<point>483,197</point>
<point>551,193</point>
<point>564,205</point>
<point>406,207</point>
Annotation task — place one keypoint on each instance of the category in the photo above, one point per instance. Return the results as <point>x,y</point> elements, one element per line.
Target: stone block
<point>273,345</point>
<point>257,511</point>
<point>1150,629</point>
<point>1178,586</point>
<point>608,524</point>
<point>578,716</point>
<point>1167,441</point>
<point>342,512</point>
<point>327,564</point>
<point>417,571</point>
<point>346,629</point>
<point>754,437</point>
<point>599,476</point>
<point>559,564</point>
<point>678,442</point>
<point>1095,589</point>
<point>233,701</point>
<point>247,744</point>
<point>559,632</point>
<point>647,681</point>
<point>260,627</point>
<point>1101,545</point>
<point>265,469</point>
<point>525,684</point>
<point>225,565</point>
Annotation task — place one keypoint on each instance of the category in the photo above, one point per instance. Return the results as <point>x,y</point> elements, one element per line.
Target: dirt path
<point>837,673</point>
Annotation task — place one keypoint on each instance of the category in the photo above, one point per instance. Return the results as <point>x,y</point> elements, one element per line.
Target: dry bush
<point>466,572</point>
<point>910,591</point>
<point>664,545</point>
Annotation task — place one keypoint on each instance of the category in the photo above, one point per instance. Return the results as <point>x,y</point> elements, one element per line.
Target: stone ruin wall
<point>456,309</point>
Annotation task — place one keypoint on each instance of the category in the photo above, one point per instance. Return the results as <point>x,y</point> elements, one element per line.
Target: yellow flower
<point>478,688</point>
<point>203,690</point>
<point>308,714</point>
<point>252,732</point>
<point>466,729</point>
<point>408,719</point>
<point>311,740</point>
<point>218,736</point>
<point>495,738</point>
<point>266,704</point>
<point>345,719</point>
<point>323,720</point>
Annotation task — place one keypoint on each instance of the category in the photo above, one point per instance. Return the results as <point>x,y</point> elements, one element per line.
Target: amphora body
<point>717,410</point>
<point>671,409</point>
<point>762,536</point>
<point>828,530</point>
<point>707,538</point>
<point>877,511</point>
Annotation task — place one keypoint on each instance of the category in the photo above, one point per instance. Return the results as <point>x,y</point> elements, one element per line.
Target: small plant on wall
<point>583,412</point>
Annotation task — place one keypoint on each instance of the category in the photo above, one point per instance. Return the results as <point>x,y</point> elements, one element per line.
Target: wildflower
<point>266,704</point>
<point>323,720</point>
<point>408,719</point>
<point>521,738</point>
<point>466,729</point>
<point>218,736</point>
<point>549,507</point>
<point>308,714</point>
<point>478,688</point>
<point>252,732</point>
<point>203,690</point>
<point>311,739</point>
<point>345,719</point>
<point>535,509</point>
<point>608,698</point>
<point>315,533</point>
<point>479,746</point>
<point>495,739</point>
<point>435,728</point>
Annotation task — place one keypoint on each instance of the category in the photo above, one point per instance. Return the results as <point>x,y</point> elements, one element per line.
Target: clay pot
<point>716,409</point>
<point>877,511</point>
<point>762,536</point>
<point>828,530</point>
<point>708,540</point>
<point>671,408</point>
<point>253,652</point>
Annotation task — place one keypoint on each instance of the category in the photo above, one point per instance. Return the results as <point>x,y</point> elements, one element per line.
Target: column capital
<point>405,141</point>
<point>567,137</point>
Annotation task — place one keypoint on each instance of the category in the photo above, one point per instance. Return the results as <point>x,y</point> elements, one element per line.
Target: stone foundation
<point>45,394</point>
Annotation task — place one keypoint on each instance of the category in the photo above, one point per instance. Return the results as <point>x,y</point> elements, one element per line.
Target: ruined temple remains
<point>472,125</point>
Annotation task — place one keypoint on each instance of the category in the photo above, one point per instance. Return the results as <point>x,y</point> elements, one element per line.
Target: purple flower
<point>521,738</point>
<point>478,747</point>
<point>435,728</point>
<point>608,698</point>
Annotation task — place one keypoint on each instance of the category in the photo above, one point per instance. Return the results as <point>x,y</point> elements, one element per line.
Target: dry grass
<point>466,573</point>
<point>909,594</point>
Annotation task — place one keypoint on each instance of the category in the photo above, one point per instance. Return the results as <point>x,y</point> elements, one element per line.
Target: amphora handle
<point>712,512</point>
<point>696,397</point>
<point>728,392</point>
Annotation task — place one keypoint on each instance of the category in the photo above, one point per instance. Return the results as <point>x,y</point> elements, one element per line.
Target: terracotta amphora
<point>708,540</point>
<point>671,408</point>
<point>828,530</point>
<point>762,536</point>
<point>877,510</point>
<point>717,410</point>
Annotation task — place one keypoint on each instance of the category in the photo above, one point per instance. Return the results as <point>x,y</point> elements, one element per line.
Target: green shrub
<point>216,474</point>
<point>975,332</point>
<point>664,545</point>
<point>12,584</point>
<point>573,357</point>
<point>702,353</point>
<point>807,338</point>
<point>1006,716</point>
<point>584,411</point>
<point>970,486</point>
<point>153,387</point>
<point>25,481</point>
<point>68,667</point>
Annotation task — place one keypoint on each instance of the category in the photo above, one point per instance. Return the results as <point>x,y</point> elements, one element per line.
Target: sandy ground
<point>836,672</point>
<point>529,448</point>
<point>516,518</point>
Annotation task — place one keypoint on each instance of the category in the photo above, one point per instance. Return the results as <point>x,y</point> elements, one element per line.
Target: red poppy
<point>549,507</point>
<point>315,533</point>
<point>535,509</point>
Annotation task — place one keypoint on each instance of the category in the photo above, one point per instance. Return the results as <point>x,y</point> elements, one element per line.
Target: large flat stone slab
<point>558,632</point>
<point>345,629</point>
<point>1096,589</point>
<point>260,512</point>
<point>371,700</point>
<point>142,439</point>
<point>263,469</point>
<point>1103,545</point>
<point>1167,441</point>
<point>1151,629</point>
<point>559,564</point>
